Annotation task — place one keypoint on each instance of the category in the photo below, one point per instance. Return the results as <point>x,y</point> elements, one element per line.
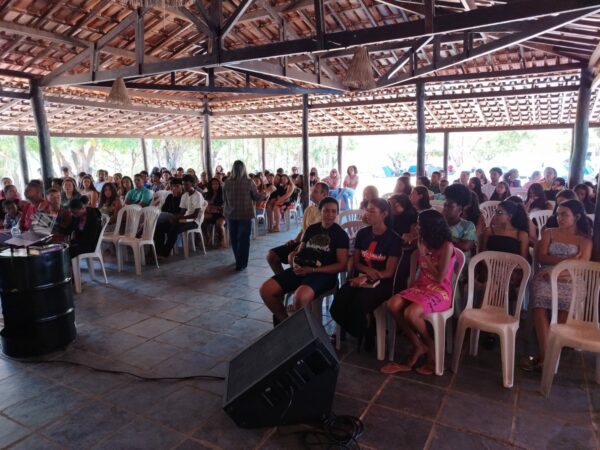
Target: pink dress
<point>431,295</point>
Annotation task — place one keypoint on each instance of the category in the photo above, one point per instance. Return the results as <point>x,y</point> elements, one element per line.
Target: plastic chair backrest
<point>592,217</point>
<point>540,217</point>
<point>520,192</point>
<point>488,209</point>
<point>500,266</point>
<point>150,214</point>
<point>352,227</point>
<point>101,236</point>
<point>162,197</point>
<point>118,221</point>
<point>132,219</point>
<point>585,275</point>
<point>352,215</point>
<point>438,205</point>
<point>459,264</point>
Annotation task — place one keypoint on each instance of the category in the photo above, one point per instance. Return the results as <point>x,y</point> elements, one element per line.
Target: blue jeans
<point>239,236</point>
<point>347,194</point>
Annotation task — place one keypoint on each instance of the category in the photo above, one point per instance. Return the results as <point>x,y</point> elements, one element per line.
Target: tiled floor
<point>190,316</point>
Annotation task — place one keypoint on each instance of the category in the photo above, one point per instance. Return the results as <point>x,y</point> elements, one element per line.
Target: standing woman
<point>431,292</point>
<point>240,194</point>
<point>89,190</point>
<point>376,255</point>
<point>349,186</point>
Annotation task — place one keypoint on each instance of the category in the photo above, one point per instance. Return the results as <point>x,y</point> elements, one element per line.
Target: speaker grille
<point>257,361</point>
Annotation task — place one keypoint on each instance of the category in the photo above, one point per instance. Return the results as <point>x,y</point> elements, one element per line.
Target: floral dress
<point>431,295</point>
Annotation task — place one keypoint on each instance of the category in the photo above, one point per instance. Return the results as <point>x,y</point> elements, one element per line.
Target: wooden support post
<point>263,153</point>
<point>207,152</point>
<point>43,133</point>
<point>305,161</point>
<point>446,151</point>
<point>340,149</point>
<point>144,153</point>
<point>23,158</point>
<point>582,123</point>
<point>420,128</point>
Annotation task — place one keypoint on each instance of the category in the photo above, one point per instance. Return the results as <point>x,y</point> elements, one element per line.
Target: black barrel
<point>37,302</point>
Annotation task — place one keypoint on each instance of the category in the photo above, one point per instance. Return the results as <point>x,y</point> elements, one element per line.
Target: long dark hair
<point>424,200</point>
<point>567,194</point>
<point>383,206</point>
<point>123,191</point>
<point>407,185</point>
<point>497,197</point>
<point>433,229</point>
<point>92,187</point>
<point>107,201</point>
<point>518,216</point>
<point>536,190</point>
<point>477,189</point>
<point>587,201</point>
<point>404,201</point>
<point>472,212</point>
<point>583,223</point>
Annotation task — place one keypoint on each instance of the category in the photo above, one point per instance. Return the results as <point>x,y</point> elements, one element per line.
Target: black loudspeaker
<point>287,376</point>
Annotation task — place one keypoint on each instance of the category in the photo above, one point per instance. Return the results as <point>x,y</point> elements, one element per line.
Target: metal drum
<point>37,302</point>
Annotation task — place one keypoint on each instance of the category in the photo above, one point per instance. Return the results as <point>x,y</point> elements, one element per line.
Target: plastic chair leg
<point>76,274</point>
<point>553,351</point>
<point>507,349</point>
<point>458,343</point>
<point>103,269</point>
<point>202,242</point>
<point>439,336</point>
<point>449,335</point>
<point>155,256</point>
<point>119,257</point>
<point>474,342</point>
<point>137,259</point>
<point>380,326</point>
<point>186,244</point>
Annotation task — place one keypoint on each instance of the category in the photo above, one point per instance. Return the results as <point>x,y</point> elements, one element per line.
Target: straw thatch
<point>360,73</point>
<point>118,93</point>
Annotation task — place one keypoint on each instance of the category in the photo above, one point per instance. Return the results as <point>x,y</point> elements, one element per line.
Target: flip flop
<point>425,369</point>
<point>393,368</point>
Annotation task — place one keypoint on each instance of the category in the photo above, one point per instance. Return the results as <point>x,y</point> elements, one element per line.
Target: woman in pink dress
<point>431,292</point>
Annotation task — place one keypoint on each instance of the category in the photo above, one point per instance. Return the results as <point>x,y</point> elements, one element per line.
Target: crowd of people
<point>378,261</point>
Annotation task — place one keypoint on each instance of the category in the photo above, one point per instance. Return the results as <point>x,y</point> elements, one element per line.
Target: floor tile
<point>10,432</point>
<point>140,396</point>
<point>122,319</point>
<point>142,434</point>
<point>185,336</point>
<point>151,327</point>
<point>387,429</point>
<point>19,387</point>
<point>478,415</point>
<point>35,442</point>
<point>359,383</point>
<point>186,409</point>
<point>410,397</point>
<point>149,354</point>
<point>220,430</point>
<point>445,438</point>
<point>182,313</point>
<point>88,426</point>
<point>486,383</point>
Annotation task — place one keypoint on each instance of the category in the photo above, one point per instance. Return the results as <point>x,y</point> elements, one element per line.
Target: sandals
<point>425,369</point>
<point>392,368</point>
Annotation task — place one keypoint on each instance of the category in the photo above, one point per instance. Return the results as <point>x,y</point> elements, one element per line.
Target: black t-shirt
<point>171,204</point>
<point>321,244</point>
<point>375,250</point>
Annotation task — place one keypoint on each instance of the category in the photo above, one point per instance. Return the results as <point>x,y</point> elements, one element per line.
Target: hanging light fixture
<point>360,73</point>
<point>118,93</point>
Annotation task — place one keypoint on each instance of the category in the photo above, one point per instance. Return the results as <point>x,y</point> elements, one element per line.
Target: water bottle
<point>15,231</point>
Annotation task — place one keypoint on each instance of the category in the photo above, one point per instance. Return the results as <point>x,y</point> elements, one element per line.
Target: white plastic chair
<point>488,210</point>
<point>159,198</point>
<point>132,220</point>
<point>89,257</point>
<point>436,319</point>
<point>520,192</point>
<point>493,316</point>
<point>352,215</point>
<point>288,216</point>
<point>541,217</point>
<point>150,214</point>
<point>189,237</point>
<point>581,330</point>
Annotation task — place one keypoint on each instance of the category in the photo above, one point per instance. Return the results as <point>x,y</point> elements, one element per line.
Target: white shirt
<point>192,202</point>
<point>488,189</point>
<point>99,185</point>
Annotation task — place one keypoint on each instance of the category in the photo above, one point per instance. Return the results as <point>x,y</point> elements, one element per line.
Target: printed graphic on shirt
<point>369,254</point>
<point>319,243</point>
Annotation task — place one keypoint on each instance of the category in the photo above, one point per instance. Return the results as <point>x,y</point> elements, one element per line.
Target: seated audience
<point>85,226</point>
<point>475,186</point>
<point>440,195</point>
<point>463,232</point>
<point>559,184</point>
<point>536,177</point>
<point>431,291</point>
<point>110,203</point>
<point>501,192</point>
<point>512,178</point>
<point>322,254</point>
<point>68,192</point>
<point>419,197</point>
<point>369,193</point>
<point>168,215</point>
<point>278,256</point>
<point>214,210</point>
<point>562,196</point>
<point>435,182</point>
<point>377,251</point>
<point>313,177</point>
<point>489,188</point>
<point>473,214</point>
<point>464,178</point>
<point>155,183</point>
<point>536,199</point>
<point>126,186</point>
<point>89,190</point>
<point>349,187</point>
<point>571,240</point>
<point>190,206</point>
<point>139,195</point>
<point>480,174</point>
<point>277,199</point>
<point>403,186</point>
<point>12,216</point>
<point>584,194</point>
<point>404,221</point>
<point>508,230</point>
<point>549,177</point>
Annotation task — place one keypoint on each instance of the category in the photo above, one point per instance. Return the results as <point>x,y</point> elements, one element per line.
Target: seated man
<point>139,195</point>
<point>190,206</point>
<point>322,254</point>
<point>85,225</point>
<point>169,214</point>
<point>279,255</point>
